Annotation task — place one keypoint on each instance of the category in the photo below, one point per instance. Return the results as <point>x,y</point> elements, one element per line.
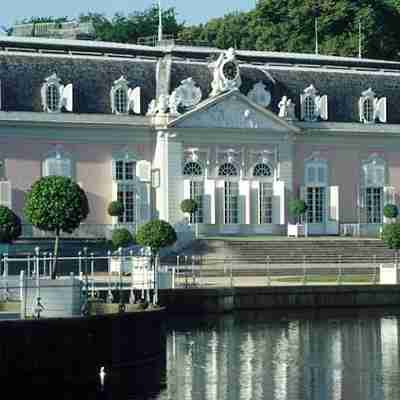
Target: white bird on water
<point>102,375</point>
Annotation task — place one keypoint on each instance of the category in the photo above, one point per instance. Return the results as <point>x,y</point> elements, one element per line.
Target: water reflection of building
<point>310,359</point>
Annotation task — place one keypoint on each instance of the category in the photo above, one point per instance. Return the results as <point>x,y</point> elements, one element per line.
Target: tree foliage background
<point>274,25</point>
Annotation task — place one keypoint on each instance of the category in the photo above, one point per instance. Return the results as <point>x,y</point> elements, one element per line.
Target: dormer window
<point>313,106</point>
<point>371,108</point>
<point>123,98</point>
<point>56,96</point>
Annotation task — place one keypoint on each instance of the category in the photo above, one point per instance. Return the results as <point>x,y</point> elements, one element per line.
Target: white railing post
<point>268,270</point>
<point>339,278</point>
<point>5,272</point>
<point>304,271</point>
<point>79,263</point>
<point>93,294</point>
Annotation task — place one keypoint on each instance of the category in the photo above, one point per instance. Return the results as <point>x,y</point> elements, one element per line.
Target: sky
<point>190,11</point>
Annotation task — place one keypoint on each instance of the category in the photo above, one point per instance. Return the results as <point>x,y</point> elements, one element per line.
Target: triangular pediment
<point>232,110</point>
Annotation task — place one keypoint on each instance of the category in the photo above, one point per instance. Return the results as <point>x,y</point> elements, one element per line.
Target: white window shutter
<point>323,107</point>
<point>65,167</point>
<point>61,93</point>
<point>43,96</point>
<point>186,189</point>
<point>5,194</point>
<point>334,203</point>
<point>321,174</point>
<point>361,109</point>
<point>114,197</point>
<point>303,196</point>
<point>114,170</point>
<point>67,97</point>
<point>143,203</point>
<point>112,100</point>
<point>143,170</point>
<point>381,109</point>
<point>302,105</point>
<point>134,100</point>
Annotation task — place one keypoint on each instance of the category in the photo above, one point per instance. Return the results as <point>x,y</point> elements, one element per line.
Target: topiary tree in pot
<point>156,234</point>
<point>10,225</point>
<point>121,237</point>
<point>390,211</point>
<point>56,204</point>
<point>297,209</point>
<point>115,208</point>
<point>189,206</point>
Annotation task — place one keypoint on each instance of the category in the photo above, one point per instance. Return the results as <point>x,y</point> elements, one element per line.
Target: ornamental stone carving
<point>260,95</point>
<point>226,73</point>
<point>286,109</point>
<point>188,94</point>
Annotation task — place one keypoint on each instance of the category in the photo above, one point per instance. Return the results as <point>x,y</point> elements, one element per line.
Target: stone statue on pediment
<point>286,108</point>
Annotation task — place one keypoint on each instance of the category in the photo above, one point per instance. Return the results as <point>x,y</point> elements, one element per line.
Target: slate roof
<point>26,63</point>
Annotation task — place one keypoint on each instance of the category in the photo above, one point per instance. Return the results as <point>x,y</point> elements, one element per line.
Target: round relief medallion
<point>230,70</point>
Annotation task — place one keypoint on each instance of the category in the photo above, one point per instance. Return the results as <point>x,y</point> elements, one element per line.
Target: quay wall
<point>220,300</point>
<point>73,349</point>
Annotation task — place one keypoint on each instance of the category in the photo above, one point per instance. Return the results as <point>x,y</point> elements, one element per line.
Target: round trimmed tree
<point>56,204</point>
<point>115,208</point>
<point>390,211</point>
<point>10,225</point>
<point>297,208</point>
<point>121,237</point>
<point>189,206</point>
<point>156,234</point>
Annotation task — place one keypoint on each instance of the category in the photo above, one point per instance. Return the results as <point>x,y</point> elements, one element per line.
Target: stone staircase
<point>290,251</point>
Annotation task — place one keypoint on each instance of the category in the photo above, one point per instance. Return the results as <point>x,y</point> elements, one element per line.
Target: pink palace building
<point>242,132</point>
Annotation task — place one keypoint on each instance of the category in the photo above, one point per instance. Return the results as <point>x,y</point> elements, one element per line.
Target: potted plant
<point>189,206</point>
<point>297,209</point>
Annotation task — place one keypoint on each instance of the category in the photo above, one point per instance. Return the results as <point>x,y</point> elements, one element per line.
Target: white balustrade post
<point>92,274</point>
<point>5,272</point>
<point>80,263</point>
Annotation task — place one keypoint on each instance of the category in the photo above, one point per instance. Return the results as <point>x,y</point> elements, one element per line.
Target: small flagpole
<point>316,35</point>
<point>359,41</point>
<point>160,27</point>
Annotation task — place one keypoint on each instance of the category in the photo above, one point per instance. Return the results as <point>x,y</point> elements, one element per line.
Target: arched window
<point>120,97</point>
<point>368,110</point>
<point>372,193</point>
<point>125,182</point>
<point>262,170</point>
<point>227,169</point>
<point>58,162</point>
<point>316,181</point>
<point>192,168</point>
<point>313,106</point>
<point>121,101</point>
<point>191,171</point>
<point>52,97</point>
<point>371,108</point>
<point>309,109</point>
<point>231,193</point>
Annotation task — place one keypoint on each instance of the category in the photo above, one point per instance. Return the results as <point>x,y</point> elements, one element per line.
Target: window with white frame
<point>313,106</point>
<point>193,172</point>
<point>57,162</point>
<point>231,193</point>
<point>263,171</point>
<point>371,108</point>
<point>373,179</point>
<point>316,180</point>
<point>124,174</point>
<point>123,98</point>
<point>56,96</point>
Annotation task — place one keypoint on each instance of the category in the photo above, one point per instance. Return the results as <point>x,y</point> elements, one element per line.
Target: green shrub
<point>10,225</point>
<point>121,237</point>
<point>189,206</point>
<point>390,211</point>
<point>391,235</point>
<point>297,208</point>
<point>115,208</point>
<point>156,234</point>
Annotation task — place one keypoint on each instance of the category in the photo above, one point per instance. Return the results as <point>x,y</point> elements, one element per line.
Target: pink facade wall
<point>92,166</point>
<point>344,163</point>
